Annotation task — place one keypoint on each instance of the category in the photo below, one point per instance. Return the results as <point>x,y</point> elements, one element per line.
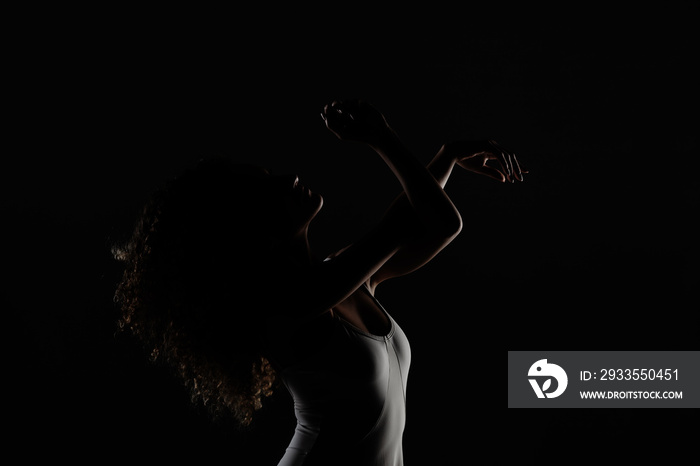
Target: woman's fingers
<point>514,170</point>
<point>487,157</point>
<point>501,169</point>
<point>491,173</point>
<point>519,170</point>
<point>335,116</point>
<point>478,163</point>
<point>503,157</point>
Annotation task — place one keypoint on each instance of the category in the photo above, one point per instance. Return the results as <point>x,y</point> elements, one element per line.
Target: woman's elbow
<point>442,226</point>
<point>450,226</point>
<point>455,227</point>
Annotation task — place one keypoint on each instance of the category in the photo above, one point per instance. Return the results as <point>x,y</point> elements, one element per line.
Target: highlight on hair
<point>190,263</point>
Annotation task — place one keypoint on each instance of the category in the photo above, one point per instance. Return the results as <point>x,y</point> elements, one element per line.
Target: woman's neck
<point>299,249</point>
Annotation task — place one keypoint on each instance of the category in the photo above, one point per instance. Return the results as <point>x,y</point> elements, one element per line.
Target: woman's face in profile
<point>291,203</point>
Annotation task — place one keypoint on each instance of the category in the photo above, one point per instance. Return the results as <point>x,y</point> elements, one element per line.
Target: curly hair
<point>191,257</point>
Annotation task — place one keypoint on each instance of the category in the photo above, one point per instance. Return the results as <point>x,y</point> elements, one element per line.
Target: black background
<point>597,249</point>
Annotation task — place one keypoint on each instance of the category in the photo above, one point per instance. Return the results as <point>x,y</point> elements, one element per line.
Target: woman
<point>220,281</point>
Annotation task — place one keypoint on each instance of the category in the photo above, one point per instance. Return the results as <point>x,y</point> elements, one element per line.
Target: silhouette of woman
<point>221,283</point>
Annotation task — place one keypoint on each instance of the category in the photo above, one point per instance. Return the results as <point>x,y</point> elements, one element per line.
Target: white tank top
<point>349,396</point>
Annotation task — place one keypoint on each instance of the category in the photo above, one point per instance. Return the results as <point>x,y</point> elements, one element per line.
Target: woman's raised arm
<point>419,249</point>
<point>429,211</point>
<point>359,121</point>
<point>419,235</point>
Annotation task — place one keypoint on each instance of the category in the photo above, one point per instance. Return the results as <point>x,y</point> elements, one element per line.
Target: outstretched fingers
<point>486,157</point>
<point>520,169</point>
<point>501,156</point>
<point>508,162</point>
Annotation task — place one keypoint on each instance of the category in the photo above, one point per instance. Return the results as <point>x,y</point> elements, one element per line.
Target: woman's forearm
<point>441,167</point>
<point>422,187</point>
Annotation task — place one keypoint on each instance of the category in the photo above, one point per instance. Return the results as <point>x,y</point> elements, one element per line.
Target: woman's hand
<point>476,155</point>
<point>356,120</point>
